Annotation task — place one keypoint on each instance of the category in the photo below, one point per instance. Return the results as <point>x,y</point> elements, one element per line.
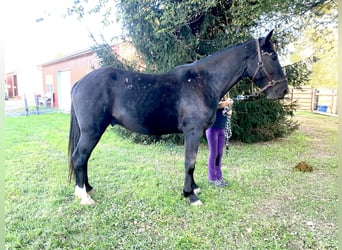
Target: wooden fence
<point>316,100</point>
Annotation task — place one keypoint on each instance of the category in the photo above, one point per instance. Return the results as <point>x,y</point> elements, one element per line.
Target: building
<point>61,74</point>
<point>23,82</point>
<point>11,84</point>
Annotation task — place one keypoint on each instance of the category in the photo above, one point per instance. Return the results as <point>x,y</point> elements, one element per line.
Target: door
<point>64,89</point>
<point>15,85</point>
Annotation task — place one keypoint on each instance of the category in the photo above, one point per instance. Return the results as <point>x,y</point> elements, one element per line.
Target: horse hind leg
<point>80,158</point>
<point>81,187</point>
<point>89,189</point>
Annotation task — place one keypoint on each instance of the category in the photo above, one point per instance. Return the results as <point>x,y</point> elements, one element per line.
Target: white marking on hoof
<point>87,201</point>
<point>82,194</point>
<point>197,203</point>
<point>197,191</point>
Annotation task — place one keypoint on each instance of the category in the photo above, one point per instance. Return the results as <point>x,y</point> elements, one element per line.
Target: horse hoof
<point>196,203</point>
<point>87,201</point>
<point>84,196</point>
<point>197,191</point>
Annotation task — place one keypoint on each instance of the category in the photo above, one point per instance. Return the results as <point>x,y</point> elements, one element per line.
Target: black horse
<point>181,100</point>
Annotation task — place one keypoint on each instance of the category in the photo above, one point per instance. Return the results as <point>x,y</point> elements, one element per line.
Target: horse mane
<point>227,49</point>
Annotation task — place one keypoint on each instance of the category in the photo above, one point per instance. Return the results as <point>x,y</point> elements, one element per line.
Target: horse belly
<point>162,129</point>
<point>162,123</point>
<point>156,125</point>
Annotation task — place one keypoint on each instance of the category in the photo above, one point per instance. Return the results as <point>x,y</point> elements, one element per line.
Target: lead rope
<point>227,129</point>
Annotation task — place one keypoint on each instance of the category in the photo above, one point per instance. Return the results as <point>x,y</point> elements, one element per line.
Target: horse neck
<point>226,68</point>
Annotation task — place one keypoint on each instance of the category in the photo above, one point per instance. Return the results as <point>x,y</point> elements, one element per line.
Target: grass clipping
<point>303,167</point>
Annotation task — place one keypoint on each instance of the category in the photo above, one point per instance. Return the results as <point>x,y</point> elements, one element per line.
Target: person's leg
<point>220,149</point>
<point>212,144</point>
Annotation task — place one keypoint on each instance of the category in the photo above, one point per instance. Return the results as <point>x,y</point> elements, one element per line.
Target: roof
<point>68,57</point>
<point>80,53</point>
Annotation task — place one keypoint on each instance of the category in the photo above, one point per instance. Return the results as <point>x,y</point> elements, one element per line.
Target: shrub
<point>259,119</point>
<point>148,139</point>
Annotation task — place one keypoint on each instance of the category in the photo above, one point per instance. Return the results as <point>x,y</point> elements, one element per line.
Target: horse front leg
<point>191,143</point>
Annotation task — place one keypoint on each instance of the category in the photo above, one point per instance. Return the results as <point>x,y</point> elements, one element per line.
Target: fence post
<point>316,99</point>
<point>37,102</point>
<point>312,99</point>
<point>26,105</point>
<point>333,103</point>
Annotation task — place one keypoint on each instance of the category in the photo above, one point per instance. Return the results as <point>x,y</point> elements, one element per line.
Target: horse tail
<point>74,135</point>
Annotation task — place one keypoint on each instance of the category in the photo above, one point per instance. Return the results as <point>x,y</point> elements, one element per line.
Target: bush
<point>259,119</point>
<point>148,139</point>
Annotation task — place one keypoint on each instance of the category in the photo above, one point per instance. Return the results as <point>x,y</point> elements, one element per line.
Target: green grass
<point>139,203</point>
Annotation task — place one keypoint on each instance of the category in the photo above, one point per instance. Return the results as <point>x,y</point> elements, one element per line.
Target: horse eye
<point>274,57</point>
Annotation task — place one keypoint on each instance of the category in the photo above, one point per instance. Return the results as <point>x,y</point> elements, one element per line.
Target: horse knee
<point>190,166</point>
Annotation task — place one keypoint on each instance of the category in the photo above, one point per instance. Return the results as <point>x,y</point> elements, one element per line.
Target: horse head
<point>265,70</point>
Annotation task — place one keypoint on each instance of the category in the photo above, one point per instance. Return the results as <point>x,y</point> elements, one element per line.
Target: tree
<point>172,32</point>
<point>320,54</point>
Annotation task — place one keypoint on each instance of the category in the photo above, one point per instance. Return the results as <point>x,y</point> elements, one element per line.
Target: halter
<point>261,67</point>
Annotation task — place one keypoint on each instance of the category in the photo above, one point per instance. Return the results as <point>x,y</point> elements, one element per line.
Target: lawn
<point>138,192</point>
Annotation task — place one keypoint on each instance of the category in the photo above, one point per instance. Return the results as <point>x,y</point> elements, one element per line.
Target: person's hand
<point>229,102</point>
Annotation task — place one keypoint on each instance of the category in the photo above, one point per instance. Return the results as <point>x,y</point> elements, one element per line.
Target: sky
<point>30,43</point>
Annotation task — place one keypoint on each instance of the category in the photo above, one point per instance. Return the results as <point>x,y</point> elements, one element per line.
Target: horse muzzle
<point>275,90</point>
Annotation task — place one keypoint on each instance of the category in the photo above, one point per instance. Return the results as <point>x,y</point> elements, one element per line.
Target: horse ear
<point>268,37</point>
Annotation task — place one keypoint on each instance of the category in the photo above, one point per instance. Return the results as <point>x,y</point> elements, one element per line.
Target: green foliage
<point>104,53</point>
<point>169,33</point>
<point>298,74</point>
<point>259,119</point>
<point>106,56</point>
<point>148,139</point>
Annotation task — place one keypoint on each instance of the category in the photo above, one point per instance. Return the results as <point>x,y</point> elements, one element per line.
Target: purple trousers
<point>216,140</point>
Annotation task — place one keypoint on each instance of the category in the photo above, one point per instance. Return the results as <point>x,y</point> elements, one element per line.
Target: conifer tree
<point>172,32</point>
